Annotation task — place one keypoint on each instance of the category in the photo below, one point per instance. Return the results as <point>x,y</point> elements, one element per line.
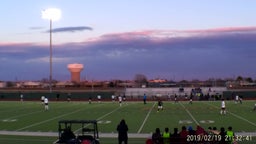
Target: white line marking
<point>235,115</point>
<point>102,117</point>
<point>24,114</point>
<point>108,113</point>
<point>17,116</point>
<point>48,120</point>
<point>243,118</point>
<point>146,118</point>
<point>189,113</point>
<point>98,119</point>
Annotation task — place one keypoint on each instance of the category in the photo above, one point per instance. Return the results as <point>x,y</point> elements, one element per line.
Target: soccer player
<point>240,99</point>
<point>159,105</point>
<point>99,98</point>
<point>46,101</point>
<point>120,99</point>
<point>69,97</point>
<point>175,98</point>
<point>90,100</point>
<point>21,97</point>
<point>57,97</point>
<point>145,99</point>
<point>191,98</point>
<point>223,107</point>
<point>42,99</point>
<point>254,107</point>
<point>236,99</point>
<point>124,98</point>
<point>113,97</point>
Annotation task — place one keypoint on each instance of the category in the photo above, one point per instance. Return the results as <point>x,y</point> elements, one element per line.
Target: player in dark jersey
<point>159,105</point>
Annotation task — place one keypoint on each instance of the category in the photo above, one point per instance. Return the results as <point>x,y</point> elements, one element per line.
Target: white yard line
<point>109,113</point>
<point>101,117</point>
<point>189,114</point>
<point>146,118</point>
<point>48,120</point>
<point>17,116</point>
<point>235,115</point>
<point>252,123</point>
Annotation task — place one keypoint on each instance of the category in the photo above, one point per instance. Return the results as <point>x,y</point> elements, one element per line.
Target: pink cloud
<point>175,33</point>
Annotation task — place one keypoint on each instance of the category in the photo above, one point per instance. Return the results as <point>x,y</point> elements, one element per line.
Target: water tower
<point>75,70</point>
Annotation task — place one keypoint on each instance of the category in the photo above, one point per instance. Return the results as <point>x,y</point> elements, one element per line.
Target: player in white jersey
<point>21,97</point>
<point>236,99</point>
<point>113,97</point>
<point>223,107</point>
<point>46,102</point>
<point>120,99</point>
<point>42,99</point>
<point>99,98</point>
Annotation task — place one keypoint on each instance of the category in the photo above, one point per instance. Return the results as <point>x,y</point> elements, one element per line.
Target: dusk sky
<point>114,39</point>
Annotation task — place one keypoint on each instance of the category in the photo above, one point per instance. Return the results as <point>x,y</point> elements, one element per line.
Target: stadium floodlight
<point>52,14</point>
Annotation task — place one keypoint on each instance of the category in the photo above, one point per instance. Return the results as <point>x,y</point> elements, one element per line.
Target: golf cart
<point>78,132</point>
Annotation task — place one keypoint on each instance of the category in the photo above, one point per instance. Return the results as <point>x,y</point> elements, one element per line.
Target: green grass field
<point>141,119</point>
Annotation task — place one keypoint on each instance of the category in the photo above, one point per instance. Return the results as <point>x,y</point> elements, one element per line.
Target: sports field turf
<point>141,119</point>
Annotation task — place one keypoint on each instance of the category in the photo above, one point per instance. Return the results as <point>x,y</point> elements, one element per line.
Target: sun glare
<point>53,14</point>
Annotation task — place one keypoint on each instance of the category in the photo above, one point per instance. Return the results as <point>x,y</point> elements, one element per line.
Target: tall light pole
<point>51,14</point>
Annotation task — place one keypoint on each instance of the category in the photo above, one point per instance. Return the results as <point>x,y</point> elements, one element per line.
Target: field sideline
<point>29,118</point>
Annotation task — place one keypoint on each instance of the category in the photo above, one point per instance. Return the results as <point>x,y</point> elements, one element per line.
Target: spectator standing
<point>166,136</point>
<point>157,137</point>
<point>175,137</point>
<point>230,135</point>
<point>223,136</point>
<point>122,129</point>
<point>200,132</point>
<point>211,134</point>
<point>183,135</point>
<point>191,131</point>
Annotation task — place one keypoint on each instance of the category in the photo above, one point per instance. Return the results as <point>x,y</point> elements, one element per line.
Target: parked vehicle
<point>77,132</point>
